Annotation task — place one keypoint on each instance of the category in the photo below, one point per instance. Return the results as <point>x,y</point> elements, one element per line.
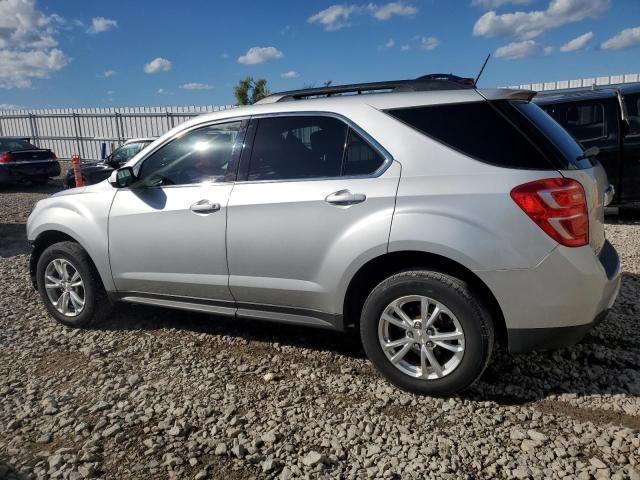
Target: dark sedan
<point>21,161</point>
<point>94,172</point>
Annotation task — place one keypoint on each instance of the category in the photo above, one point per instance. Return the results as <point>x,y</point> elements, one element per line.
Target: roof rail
<point>413,85</point>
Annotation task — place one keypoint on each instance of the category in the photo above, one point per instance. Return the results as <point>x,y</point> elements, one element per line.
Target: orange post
<point>77,172</point>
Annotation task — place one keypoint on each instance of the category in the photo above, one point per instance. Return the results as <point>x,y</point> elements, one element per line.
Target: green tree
<point>249,91</point>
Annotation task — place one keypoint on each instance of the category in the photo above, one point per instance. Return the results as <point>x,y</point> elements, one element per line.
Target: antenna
<point>481,70</point>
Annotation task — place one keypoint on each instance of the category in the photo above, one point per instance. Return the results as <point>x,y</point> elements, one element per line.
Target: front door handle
<point>345,197</point>
<point>205,206</point>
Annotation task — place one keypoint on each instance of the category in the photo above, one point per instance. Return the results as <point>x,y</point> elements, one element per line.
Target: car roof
<point>578,95</point>
<point>139,140</point>
<point>380,101</point>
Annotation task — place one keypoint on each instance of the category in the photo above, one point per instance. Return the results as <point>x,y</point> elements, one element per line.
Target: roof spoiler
<point>507,94</point>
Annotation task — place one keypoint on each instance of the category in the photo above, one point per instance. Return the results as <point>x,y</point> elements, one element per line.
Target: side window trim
<point>237,152</point>
<point>244,167</point>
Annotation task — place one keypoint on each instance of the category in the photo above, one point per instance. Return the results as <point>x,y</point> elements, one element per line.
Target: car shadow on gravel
<point>605,362</point>
<point>13,240</point>
<point>51,187</point>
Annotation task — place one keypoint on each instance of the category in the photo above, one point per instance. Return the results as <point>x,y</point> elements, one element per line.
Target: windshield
<point>13,144</point>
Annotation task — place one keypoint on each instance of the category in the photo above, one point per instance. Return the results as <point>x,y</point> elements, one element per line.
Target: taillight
<point>558,206</point>
<point>5,157</point>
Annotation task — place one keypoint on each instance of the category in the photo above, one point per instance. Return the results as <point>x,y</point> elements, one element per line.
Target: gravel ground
<point>165,394</point>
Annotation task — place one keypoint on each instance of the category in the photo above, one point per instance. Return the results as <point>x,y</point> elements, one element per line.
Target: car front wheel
<point>426,332</point>
<point>70,286</point>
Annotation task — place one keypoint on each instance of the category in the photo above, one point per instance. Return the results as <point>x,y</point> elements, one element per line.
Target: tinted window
<point>204,154</point>
<point>297,147</point>
<point>549,135</point>
<point>585,121</point>
<point>478,130</point>
<point>361,158</point>
<point>632,102</point>
<point>12,144</point>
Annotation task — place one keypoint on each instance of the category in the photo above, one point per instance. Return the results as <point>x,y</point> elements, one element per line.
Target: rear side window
<point>478,130</point>
<point>295,147</point>
<point>361,158</point>
<point>586,121</point>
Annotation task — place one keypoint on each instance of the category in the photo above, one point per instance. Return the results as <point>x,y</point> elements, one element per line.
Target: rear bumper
<point>555,304</point>
<point>24,171</point>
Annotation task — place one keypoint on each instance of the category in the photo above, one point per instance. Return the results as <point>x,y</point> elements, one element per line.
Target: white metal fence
<point>67,131</point>
<point>580,82</point>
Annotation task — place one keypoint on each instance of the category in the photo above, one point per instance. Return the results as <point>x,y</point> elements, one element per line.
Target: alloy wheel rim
<point>421,337</point>
<point>64,287</point>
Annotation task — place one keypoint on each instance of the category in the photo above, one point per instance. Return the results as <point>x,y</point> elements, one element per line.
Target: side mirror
<point>121,178</point>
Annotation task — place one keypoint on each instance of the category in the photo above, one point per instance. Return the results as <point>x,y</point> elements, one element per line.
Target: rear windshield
<point>12,144</point>
<point>507,134</point>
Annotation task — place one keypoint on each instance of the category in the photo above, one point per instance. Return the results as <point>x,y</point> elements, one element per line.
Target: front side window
<point>297,147</point>
<point>201,155</point>
<point>585,121</point>
<point>126,152</point>
<point>632,102</point>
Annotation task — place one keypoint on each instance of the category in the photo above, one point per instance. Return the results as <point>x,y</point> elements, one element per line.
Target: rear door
<point>316,195</point>
<point>631,150</point>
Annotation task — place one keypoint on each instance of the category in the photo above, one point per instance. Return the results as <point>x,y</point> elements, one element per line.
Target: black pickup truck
<point>607,118</point>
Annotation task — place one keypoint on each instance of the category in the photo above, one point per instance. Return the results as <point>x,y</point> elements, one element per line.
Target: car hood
<point>97,187</point>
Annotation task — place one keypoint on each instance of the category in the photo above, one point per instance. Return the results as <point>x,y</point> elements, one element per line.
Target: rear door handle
<point>345,197</point>
<point>205,206</point>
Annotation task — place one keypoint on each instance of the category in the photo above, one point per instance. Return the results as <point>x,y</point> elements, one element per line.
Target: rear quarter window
<point>477,129</point>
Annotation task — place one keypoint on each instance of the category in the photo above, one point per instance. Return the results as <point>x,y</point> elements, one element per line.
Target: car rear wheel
<point>70,286</point>
<point>426,332</point>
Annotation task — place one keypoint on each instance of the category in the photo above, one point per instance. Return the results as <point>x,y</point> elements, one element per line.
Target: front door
<point>313,200</point>
<point>167,231</point>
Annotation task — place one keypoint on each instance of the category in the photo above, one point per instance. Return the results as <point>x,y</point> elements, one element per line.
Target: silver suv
<point>433,217</point>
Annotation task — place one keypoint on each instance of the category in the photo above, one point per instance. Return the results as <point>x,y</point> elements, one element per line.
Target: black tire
<point>96,302</point>
<point>456,295</point>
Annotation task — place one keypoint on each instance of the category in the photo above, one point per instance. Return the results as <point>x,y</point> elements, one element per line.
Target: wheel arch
<point>377,269</point>
<point>44,240</point>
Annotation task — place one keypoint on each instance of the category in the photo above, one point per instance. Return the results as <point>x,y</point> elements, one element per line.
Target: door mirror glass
<point>123,177</point>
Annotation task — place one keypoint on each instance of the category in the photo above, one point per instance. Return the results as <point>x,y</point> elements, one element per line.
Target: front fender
<point>83,217</point>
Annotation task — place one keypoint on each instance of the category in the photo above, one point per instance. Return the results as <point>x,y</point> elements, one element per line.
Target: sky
<point>78,53</point>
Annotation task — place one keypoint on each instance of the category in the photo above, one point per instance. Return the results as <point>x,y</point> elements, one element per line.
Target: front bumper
<point>25,171</point>
<point>555,304</point>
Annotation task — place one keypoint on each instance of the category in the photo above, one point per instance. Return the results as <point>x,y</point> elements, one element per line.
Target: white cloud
<point>196,86</point>
<point>27,41</point>
<point>385,12</point>
<point>628,37</point>
<point>577,43</point>
<point>260,55</point>
<point>405,47</point>
<point>290,74</point>
<point>334,17</point>
<point>101,24</point>
<point>157,65</point>
<point>429,43</point>
<point>493,4</point>
<point>523,49</point>
<point>20,67</point>
<point>224,56</point>
<point>9,106</point>
<point>390,43</point>
<point>107,74</point>
<point>528,25</point>
<point>110,92</point>
<point>162,91</point>
<point>337,16</point>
